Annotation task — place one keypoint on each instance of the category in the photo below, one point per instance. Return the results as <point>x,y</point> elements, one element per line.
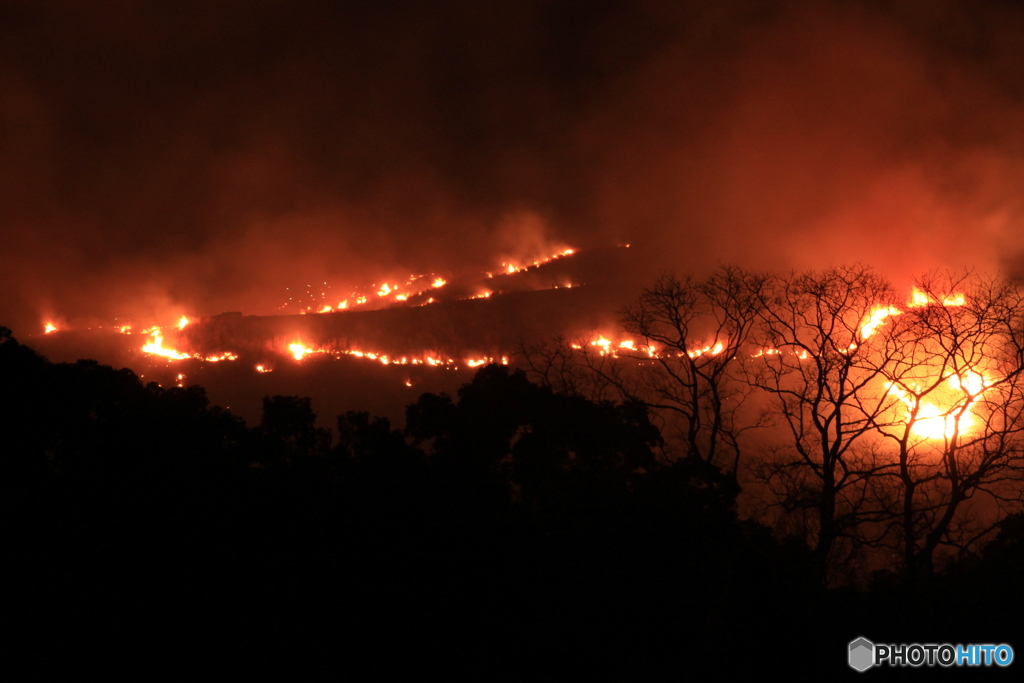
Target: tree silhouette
<point>289,424</point>
<point>818,362</point>
<point>504,428</point>
<point>955,426</point>
<point>691,333</point>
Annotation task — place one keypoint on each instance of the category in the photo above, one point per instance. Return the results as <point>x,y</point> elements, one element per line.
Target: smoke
<point>878,132</point>
<point>524,237</point>
<point>203,156</point>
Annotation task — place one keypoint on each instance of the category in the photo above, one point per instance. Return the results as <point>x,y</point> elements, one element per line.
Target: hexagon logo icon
<point>862,654</point>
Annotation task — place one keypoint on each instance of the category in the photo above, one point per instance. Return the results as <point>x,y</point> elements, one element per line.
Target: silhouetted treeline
<point>507,531</point>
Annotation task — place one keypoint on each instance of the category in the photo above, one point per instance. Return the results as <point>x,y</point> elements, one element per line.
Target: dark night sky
<point>204,155</point>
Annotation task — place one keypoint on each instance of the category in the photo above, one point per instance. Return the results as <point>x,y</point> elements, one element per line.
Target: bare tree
<point>686,338</point>
<point>897,424</point>
<point>819,357</point>
<point>955,421</point>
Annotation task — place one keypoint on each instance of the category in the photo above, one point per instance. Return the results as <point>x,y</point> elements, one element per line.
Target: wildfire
<point>155,346</point>
<point>511,268</point>
<point>607,347</point>
<point>299,350</point>
<point>182,322</point>
<point>711,350</point>
<point>396,291</point>
<point>945,413</point>
<point>875,319</point>
<point>49,328</point>
<point>919,299</point>
<point>942,410</point>
<point>603,344</point>
<point>399,291</point>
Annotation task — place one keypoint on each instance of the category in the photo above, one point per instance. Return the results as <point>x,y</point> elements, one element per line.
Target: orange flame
<point>875,319</point>
<point>155,346</point>
<point>299,350</point>
<point>511,268</point>
<point>946,414</point>
<point>711,350</point>
<point>919,299</point>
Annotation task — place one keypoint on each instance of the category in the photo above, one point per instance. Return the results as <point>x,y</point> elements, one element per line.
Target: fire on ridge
<point>298,338</point>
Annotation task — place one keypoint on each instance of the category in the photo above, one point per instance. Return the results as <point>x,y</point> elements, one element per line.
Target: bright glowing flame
<point>49,328</point>
<point>438,282</point>
<point>919,299</point>
<point>511,268</point>
<point>299,350</point>
<point>182,322</point>
<point>875,319</point>
<point>710,350</point>
<point>604,344</point>
<point>155,346</point>
<point>946,413</point>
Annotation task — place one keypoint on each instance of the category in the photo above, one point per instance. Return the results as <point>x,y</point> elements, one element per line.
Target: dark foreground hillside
<point>504,532</point>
